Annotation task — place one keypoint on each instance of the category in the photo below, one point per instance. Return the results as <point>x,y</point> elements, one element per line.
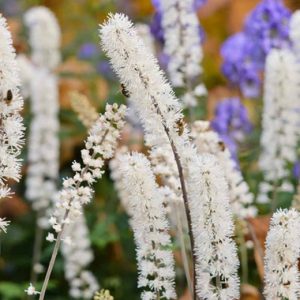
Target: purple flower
<point>242,63</point>
<point>156,27</point>
<point>296,169</point>
<point>199,3</point>
<point>231,122</point>
<point>88,51</point>
<point>268,25</point>
<point>104,68</point>
<point>244,53</point>
<point>250,82</point>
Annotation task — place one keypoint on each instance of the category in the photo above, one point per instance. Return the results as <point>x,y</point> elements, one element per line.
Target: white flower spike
<point>11,103</point>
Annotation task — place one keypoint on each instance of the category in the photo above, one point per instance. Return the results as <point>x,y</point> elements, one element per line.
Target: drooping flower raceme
<point>281,258</point>
<point>232,123</point>
<point>216,254</point>
<point>280,122</point>
<point>11,103</point>
<point>208,141</point>
<point>183,46</point>
<point>77,191</point>
<point>150,226</point>
<point>44,36</point>
<point>99,146</point>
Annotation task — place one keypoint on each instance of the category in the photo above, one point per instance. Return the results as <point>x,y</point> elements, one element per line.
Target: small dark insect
<point>9,96</point>
<point>180,126</point>
<point>221,145</point>
<point>125,91</point>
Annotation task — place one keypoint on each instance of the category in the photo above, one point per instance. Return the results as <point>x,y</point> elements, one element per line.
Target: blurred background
<point>84,68</point>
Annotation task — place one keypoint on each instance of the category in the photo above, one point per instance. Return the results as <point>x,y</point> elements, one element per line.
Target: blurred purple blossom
<point>244,53</point>
<point>104,69</point>
<point>156,27</point>
<point>88,51</point>
<point>242,63</point>
<point>232,123</point>
<point>296,169</point>
<point>199,3</point>
<point>268,25</point>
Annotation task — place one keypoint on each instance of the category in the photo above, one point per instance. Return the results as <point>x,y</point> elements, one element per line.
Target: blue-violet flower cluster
<point>266,27</point>
<point>231,122</point>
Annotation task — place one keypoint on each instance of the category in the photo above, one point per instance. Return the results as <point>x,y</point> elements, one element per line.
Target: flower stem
<point>51,265</point>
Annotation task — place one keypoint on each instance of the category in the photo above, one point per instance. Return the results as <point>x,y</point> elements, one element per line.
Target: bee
<point>221,145</point>
<point>9,96</point>
<point>180,126</point>
<point>124,91</point>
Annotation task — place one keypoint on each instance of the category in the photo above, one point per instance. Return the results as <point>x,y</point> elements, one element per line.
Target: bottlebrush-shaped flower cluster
<point>240,198</point>
<point>282,254</point>
<point>150,226</point>
<point>215,251</point>
<point>11,103</point>
<point>280,121</point>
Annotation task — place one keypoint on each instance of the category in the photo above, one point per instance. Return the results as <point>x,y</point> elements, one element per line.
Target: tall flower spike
<point>150,226</point>
<point>281,258</point>
<point>77,191</point>
<point>216,254</point>
<point>11,103</point>
<point>151,95</point>
<point>43,146</point>
<point>44,36</point>
<point>183,46</point>
<point>280,120</point>
<point>208,141</point>
<point>77,256</point>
